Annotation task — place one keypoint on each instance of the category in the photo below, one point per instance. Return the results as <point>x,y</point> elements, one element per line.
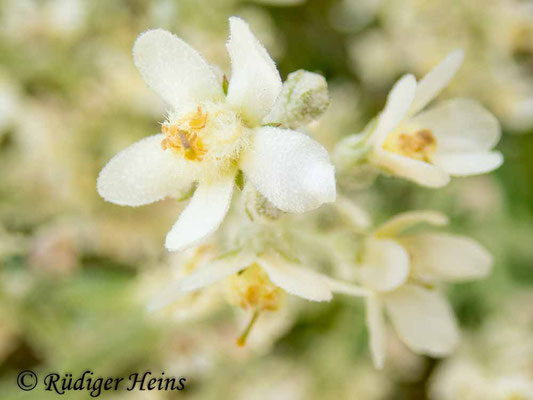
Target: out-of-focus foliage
<point>76,273</point>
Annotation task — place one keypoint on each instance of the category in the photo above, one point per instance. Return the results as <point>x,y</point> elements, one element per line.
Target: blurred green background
<point>76,272</point>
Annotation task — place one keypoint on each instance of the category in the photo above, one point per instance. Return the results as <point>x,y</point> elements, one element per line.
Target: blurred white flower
<point>495,362</point>
<point>400,270</point>
<point>464,378</point>
<point>210,136</point>
<point>255,280</point>
<point>454,138</point>
<point>415,33</point>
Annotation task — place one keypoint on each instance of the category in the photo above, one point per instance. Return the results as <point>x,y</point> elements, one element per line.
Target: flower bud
<point>257,206</point>
<point>304,98</point>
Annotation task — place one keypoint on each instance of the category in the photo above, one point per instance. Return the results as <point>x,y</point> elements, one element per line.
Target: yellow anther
<point>186,141</point>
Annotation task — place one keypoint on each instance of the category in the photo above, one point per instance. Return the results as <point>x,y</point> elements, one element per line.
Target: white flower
<point>209,136</point>
<point>494,361</point>
<point>400,270</point>
<point>454,138</point>
<point>265,272</point>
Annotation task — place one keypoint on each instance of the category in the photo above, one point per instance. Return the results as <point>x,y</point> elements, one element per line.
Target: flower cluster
<point>239,148</point>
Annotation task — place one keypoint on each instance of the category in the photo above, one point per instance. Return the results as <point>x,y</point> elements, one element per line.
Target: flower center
<point>183,137</point>
<point>251,289</point>
<point>419,145</point>
<point>208,132</point>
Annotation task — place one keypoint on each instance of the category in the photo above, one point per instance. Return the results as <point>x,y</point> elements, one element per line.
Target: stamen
<point>199,120</point>
<point>241,340</point>
<point>207,132</point>
<point>182,139</point>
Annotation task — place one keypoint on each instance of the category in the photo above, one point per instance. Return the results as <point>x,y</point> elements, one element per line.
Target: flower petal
<point>143,173</point>
<point>201,277</point>
<point>173,69</point>
<point>255,82</point>
<point>423,319</point>
<point>398,103</point>
<point>377,330</point>
<point>401,222</point>
<point>423,173</point>
<point>350,289</point>
<point>203,215</point>
<point>465,164</point>
<point>215,271</point>
<point>290,169</point>
<point>294,279</point>
<point>436,80</point>
<point>460,125</point>
<point>439,256</point>
<point>385,264</point>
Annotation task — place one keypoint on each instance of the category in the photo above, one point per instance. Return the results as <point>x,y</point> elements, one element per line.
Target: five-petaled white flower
<point>209,136</point>
<point>264,273</point>
<point>400,270</point>
<point>454,138</point>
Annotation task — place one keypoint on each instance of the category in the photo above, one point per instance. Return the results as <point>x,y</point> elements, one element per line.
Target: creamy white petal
<point>423,319</point>
<point>385,264</point>
<point>143,173</point>
<point>203,215</point>
<point>377,330</point>
<point>446,257</point>
<point>420,172</point>
<point>255,82</point>
<point>201,277</point>
<point>460,125</point>
<point>350,289</point>
<point>398,103</point>
<point>290,169</point>
<point>215,271</point>
<point>294,279</point>
<point>174,70</point>
<point>436,80</point>
<point>466,164</point>
<point>401,222</point>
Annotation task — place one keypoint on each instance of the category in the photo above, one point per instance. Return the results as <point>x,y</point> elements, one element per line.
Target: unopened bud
<point>304,98</point>
<point>257,206</point>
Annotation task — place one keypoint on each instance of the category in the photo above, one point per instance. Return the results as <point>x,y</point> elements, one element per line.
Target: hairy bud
<point>304,98</point>
<point>257,206</point>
